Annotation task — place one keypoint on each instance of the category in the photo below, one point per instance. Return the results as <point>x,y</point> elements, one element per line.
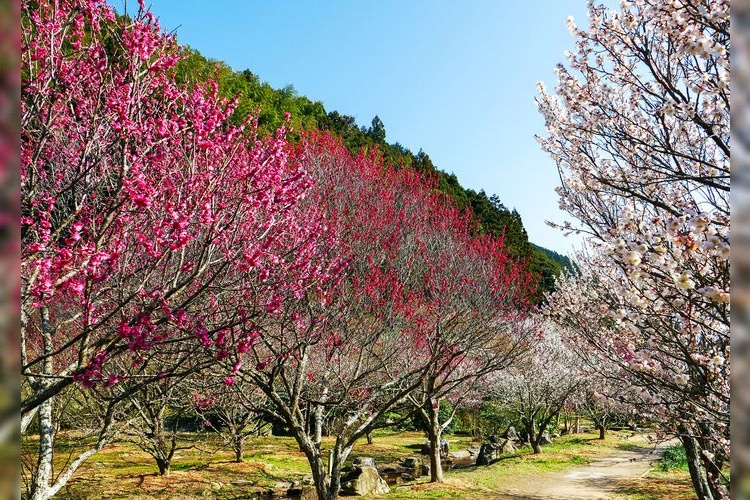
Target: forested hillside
<point>270,105</point>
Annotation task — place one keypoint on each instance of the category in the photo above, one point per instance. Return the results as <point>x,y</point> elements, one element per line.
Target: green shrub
<point>674,458</point>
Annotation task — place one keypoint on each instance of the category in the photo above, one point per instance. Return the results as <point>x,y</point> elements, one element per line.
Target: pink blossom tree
<point>229,406</point>
<point>146,218</point>
<point>639,129</point>
<point>605,400</point>
<point>342,352</point>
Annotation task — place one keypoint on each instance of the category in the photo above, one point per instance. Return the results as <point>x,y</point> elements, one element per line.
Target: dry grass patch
<point>659,486</point>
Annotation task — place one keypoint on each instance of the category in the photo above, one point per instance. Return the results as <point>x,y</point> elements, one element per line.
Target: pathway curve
<point>600,479</point>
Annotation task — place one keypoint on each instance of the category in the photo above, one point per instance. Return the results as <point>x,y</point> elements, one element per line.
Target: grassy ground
<point>204,468</point>
<point>566,452</point>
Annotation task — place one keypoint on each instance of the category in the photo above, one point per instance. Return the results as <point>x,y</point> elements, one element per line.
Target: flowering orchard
<point>160,240</point>
<point>639,128</point>
<point>537,388</point>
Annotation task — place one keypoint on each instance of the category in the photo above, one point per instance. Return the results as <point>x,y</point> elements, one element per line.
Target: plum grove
<point>174,258</point>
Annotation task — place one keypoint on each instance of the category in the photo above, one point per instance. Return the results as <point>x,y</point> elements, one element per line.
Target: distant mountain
<point>564,261</point>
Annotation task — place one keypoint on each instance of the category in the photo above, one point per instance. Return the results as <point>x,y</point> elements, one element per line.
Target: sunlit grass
<point>204,467</point>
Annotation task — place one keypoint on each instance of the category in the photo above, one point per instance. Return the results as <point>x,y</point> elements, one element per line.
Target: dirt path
<point>601,478</point>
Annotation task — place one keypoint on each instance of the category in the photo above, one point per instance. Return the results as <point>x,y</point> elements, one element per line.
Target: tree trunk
<point>369,437</point>
<point>533,435</point>
<point>327,485</point>
<point>697,473</point>
<point>577,425</point>
<point>163,464</point>
<point>717,484</point>
<point>315,460</point>
<point>536,447</point>
<point>40,488</point>
<point>602,431</point>
<point>319,473</point>
<point>239,448</point>
<point>27,418</point>
<point>434,434</point>
<point>338,456</point>
<point>318,426</point>
<point>42,479</point>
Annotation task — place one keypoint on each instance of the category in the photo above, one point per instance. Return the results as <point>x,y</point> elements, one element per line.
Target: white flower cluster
<point>645,174</point>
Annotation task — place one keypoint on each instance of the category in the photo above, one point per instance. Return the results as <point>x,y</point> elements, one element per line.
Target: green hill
<point>270,105</point>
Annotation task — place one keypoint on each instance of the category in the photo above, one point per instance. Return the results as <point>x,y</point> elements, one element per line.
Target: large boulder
<point>308,493</point>
<point>486,454</point>
<point>507,446</point>
<point>444,447</point>
<point>364,462</point>
<point>302,491</point>
<point>391,473</point>
<point>363,481</point>
<point>491,451</point>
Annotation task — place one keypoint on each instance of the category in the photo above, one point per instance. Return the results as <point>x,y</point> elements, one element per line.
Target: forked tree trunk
<point>317,466</point>
<point>44,484</point>
<point>164,466</point>
<point>327,485</point>
<point>532,434</point>
<point>534,439</point>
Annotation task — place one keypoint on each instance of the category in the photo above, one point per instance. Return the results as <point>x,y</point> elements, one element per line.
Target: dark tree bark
<point>697,473</point>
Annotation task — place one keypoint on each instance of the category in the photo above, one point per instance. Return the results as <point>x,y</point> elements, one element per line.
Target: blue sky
<point>456,79</point>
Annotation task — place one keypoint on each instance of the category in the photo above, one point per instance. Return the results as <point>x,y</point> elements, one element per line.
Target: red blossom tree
<point>229,407</point>
<point>417,295</point>
<point>474,321</point>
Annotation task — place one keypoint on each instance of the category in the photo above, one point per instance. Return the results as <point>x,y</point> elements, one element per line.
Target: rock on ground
<point>364,481</point>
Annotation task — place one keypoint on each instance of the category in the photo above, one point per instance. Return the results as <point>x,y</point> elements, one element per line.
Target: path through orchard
<point>607,476</point>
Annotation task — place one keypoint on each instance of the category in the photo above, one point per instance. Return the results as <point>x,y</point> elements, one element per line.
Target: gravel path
<point>597,480</point>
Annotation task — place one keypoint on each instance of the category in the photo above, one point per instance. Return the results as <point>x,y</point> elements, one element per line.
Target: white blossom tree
<point>538,386</point>
<point>639,129</point>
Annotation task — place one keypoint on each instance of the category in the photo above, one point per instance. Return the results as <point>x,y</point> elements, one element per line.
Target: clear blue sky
<point>456,79</point>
